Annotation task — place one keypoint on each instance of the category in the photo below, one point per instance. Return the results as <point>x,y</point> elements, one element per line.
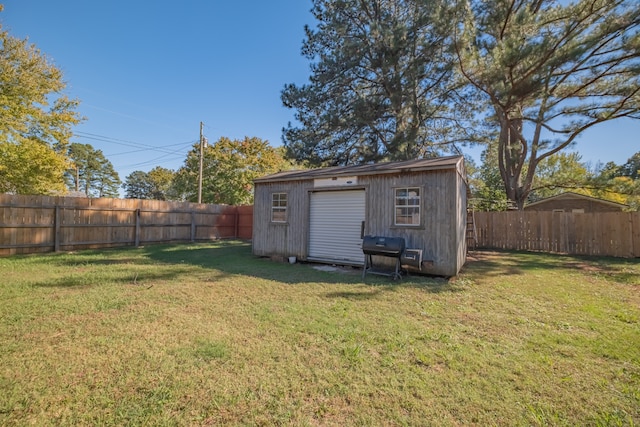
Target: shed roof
<point>419,165</point>
<point>572,195</point>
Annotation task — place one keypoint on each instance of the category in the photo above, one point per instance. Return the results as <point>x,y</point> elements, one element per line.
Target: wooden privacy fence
<point>601,234</point>
<point>31,224</point>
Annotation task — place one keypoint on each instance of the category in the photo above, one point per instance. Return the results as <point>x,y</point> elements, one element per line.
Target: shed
<point>321,215</point>
<point>574,202</point>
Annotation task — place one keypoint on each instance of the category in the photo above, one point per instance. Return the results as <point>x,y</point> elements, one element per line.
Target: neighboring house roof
<point>450,162</point>
<point>571,195</point>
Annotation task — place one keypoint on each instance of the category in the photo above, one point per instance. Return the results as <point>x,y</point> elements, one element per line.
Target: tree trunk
<point>512,154</point>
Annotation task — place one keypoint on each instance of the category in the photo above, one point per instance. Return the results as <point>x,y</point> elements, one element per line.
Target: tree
<point>488,194</point>
<point>154,185</point>
<point>137,185</point>
<point>619,183</point>
<point>229,168</point>
<point>631,168</point>
<point>548,72</point>
<point>381,83</point>
<point>35,119</point>
<point>30,167</point>
<point>91,172</point>
<point>559,173</point>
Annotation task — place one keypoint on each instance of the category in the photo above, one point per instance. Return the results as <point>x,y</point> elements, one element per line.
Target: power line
<point>169,154</point>
<point>146,163</point>
<point>133,144</point>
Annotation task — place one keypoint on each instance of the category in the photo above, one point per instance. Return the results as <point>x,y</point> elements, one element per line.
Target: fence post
<point>193,226</point>
<point>137,238</point>
<point>56,232</point>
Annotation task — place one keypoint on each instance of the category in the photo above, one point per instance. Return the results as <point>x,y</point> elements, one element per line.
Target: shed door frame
<point>336,238</point>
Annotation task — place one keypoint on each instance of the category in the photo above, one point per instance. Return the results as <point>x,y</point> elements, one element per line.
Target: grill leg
<point>367,259</point>
<point>398,274</point>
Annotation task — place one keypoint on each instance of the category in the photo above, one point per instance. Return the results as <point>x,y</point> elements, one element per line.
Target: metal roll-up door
<point>335,224</point>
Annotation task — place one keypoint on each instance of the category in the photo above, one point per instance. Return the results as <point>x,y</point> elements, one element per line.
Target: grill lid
<point>383,245</point>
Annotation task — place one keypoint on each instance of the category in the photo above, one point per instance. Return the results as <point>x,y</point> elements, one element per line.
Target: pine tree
<point>547,71</point>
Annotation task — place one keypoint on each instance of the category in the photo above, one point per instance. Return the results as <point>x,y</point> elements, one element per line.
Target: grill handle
<point>362,230</point>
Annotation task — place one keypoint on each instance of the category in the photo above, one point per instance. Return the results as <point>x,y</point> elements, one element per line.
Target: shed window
<point>407,206</point>
<point>279,207</point>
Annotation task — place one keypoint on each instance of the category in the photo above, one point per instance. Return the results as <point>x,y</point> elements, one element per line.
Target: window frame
<point>407,206</point>
<point>279,208</point>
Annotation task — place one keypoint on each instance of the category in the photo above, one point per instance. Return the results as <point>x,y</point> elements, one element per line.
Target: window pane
<point>279,207</point>
<point>279,215</point>
<point>401,216</point>
<point>407,206</point>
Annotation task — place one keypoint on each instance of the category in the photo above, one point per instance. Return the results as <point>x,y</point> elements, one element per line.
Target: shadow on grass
<point>234,257</point>
<point>227,258</point>
<point>133,278</point>
<point>492,263</point>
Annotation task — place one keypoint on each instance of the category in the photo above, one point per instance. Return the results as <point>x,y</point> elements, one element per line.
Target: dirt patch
<point>335,268</point>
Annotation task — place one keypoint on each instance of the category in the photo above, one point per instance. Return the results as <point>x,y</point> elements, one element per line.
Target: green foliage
<point>631,168</point>
<point>488,191</point>
<point>548,71</point>
<point>620,183</point>
<point>31,167</point>
<point>91,172</point>
<point>155,184</point>
<point>137,185</point>
<point>35,116</point>
<point>381,84</point>
<point>559,173</point>
<point>229,168</point>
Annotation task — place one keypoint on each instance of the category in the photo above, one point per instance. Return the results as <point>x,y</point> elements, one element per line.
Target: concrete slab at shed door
<point>335,222</point>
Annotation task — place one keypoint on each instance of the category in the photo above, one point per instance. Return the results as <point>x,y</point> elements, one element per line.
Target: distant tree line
<point>229,168</point>
<point>389,80</point>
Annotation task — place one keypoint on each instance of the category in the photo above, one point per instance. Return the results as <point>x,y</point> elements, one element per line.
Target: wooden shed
<point>321,215</point>
<point>574,202</point>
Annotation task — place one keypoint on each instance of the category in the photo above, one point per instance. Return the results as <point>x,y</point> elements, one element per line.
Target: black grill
<point>382,246</point>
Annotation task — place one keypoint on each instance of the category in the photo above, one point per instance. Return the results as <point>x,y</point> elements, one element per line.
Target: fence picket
<point>42,223</point>
<point>600,233</point>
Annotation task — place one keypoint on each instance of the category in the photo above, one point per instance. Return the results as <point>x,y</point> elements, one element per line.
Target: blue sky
<point>147,73</point>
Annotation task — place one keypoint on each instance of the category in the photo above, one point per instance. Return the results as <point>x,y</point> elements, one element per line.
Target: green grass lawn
<point>207,334</point>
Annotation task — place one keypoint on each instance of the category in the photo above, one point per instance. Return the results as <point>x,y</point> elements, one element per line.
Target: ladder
<point>471,233</point>
<point>472,236</point>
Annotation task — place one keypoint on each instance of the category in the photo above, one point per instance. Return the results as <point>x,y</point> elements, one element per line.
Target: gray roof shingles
<point>449,162</point>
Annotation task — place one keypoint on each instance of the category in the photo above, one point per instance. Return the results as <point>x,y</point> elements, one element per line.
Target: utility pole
<point>201,156</point>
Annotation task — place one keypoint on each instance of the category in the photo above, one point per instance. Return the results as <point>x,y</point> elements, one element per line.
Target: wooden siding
<point>461,220</point>
<point>441,234</point>
<point>438,232</point>
<point>599,234</point>
<point>281,239</point>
